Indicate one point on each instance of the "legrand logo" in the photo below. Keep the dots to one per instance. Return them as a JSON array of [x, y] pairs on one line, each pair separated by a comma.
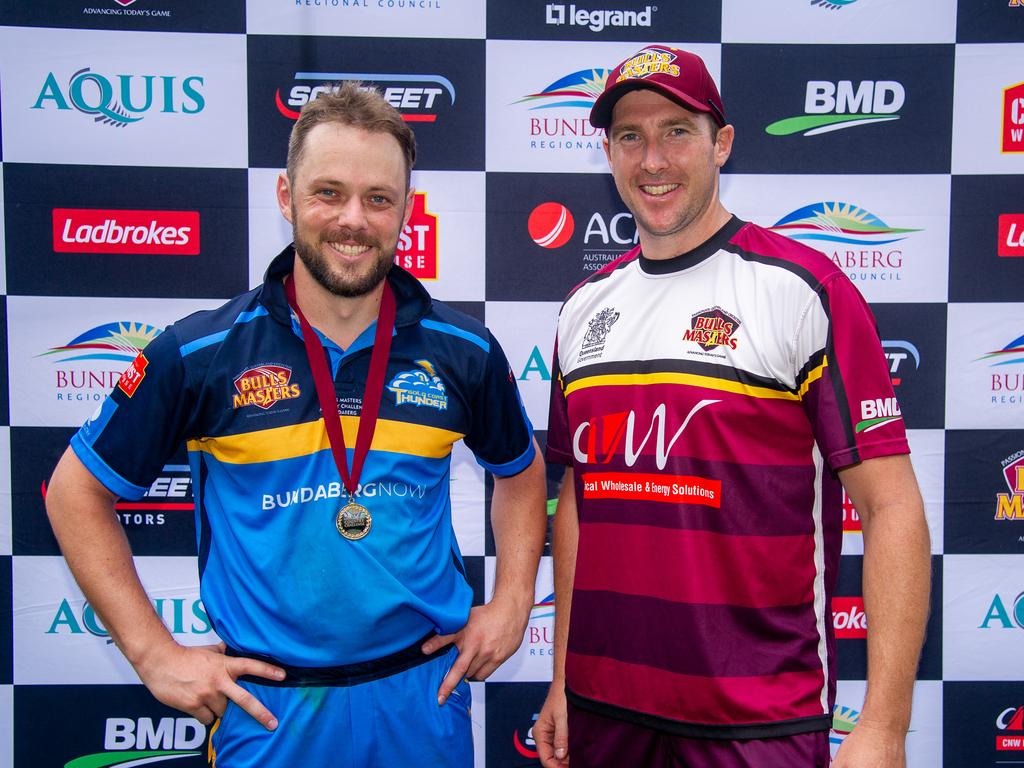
[[143, 741], [416, 97], [121, 100], [556, 14], [833, 106], [181, 615], [82, 230]]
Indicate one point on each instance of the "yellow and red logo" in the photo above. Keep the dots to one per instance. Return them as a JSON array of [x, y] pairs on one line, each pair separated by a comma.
[[133, 375], [712, 328], [416, 251], [264, 385], [1013, 118], [1010, 506]]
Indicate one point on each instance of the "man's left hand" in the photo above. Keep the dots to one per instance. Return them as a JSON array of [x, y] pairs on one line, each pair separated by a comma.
[[492, 634], [872, 746]]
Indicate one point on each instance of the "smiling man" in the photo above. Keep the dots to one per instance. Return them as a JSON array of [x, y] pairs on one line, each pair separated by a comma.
[[320, 411], [712, 393]]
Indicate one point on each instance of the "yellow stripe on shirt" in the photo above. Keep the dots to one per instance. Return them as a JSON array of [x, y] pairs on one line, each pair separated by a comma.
[[688, 379]]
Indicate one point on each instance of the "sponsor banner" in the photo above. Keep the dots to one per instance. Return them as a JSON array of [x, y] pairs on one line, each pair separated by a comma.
[[526, 331], [838, 21], [986, 238], [7, 724], [5, 417], [670, 489], [539, 96], [442, 245], [6, 625], [122, 725], [123, 98], [154, 15], [985, 491], [368, 18], [924, 737], [988, 109], [532, 662], [985, 366], [888, 234], [437, 89], [913, 339], [467, 495], [160, 523], [110, 231], [58, 638], [637, 20], [5, 491], [927, 451], [850, 623], [983, 726], [3, 236], [548, 233], [70, 352], [839, 108], [983, 604], [509, 731], [990, 21]]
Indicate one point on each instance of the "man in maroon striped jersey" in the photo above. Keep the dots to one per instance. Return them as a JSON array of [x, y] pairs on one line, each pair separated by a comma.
[[714, 390]]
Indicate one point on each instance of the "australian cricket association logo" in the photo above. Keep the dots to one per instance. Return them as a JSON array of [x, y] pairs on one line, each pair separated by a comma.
[[598, 328]]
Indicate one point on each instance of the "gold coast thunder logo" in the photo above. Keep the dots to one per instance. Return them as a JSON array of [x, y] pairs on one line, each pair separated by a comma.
[[264, 385], [420, 386]]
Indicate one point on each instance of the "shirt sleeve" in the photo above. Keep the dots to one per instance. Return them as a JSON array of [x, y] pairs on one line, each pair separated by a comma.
[[141, 424], [500, 434], [844, 379]]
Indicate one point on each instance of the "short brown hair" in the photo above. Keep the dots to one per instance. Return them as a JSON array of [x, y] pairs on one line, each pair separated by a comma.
[[354, 104]]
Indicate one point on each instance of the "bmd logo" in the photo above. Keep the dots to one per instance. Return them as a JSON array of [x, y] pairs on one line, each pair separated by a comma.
[[143, 741], [833, 106], [877, 413], [1013, 118]]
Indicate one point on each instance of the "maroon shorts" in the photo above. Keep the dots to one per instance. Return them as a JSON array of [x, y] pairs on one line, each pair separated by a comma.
[[596, 741]]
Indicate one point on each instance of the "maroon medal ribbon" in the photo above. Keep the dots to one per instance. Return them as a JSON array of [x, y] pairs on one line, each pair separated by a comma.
[[353, 522]]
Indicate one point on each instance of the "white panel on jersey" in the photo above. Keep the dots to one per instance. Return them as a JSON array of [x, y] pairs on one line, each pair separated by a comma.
[[59, 639], [368, 18], [839, 21], [526, 331], [532, 662], [123, 98], [988, 109], [889, 234], [66, 354], [984, 375]]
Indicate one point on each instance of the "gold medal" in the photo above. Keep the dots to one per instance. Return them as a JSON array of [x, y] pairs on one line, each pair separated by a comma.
[[354, 521]]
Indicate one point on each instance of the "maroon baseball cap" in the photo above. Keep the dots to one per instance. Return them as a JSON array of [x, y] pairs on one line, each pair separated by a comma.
[[678, 75]]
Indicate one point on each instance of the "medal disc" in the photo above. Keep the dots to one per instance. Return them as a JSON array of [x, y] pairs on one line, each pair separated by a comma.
[[354, 521]]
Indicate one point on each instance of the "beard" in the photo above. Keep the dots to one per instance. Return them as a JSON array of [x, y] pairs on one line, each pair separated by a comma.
[[348, 282]]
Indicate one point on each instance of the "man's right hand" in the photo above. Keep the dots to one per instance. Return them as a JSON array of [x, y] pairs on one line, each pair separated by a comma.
[[199, 680], [551, 731]]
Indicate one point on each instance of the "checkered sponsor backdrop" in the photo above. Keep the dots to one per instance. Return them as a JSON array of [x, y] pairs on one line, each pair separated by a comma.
[[140, 143]]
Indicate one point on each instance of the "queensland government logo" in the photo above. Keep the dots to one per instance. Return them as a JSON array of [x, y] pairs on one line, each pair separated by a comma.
[[711, 328], [264, 386], [94, 361], [837, 105], [1010, 506], [572, 95], [857, 241], [420, 386], [120, 100], [598, 328], [418, 98]]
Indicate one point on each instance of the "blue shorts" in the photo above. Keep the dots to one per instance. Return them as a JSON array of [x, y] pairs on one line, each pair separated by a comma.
[[385, 722]]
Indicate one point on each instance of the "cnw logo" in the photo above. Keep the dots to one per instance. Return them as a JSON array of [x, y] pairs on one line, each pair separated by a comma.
[[1010, 719], [832, 106], [877, 413], [602, 439]]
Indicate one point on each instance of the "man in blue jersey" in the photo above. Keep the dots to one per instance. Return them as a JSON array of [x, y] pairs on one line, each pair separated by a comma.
[[319, 411]]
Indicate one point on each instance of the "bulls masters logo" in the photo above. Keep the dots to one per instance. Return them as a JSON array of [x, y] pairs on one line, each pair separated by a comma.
[[598, 328], [711, 328]]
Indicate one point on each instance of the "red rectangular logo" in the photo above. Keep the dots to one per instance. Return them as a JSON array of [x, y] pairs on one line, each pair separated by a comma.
[[848, 618], [1013, 118], [1011, 234], [133, 375], [1008, 743], [92, 230]]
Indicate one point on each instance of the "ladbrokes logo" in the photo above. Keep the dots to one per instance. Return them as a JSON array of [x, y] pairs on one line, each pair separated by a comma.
[[263, 386], [418, 98], [1010, 506], [1011, 234], [1013, 118], [857, 241], [1010, 724], [711, 328], [145, 740], [81, 230], [416, 251], [120, 100], [848, 618], [572, 95], [833, 106]]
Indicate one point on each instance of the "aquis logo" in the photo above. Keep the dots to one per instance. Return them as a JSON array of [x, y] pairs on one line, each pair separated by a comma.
[[713, 327], [418, 98], [1010, 506], [92, 363], [1004, 614], [572, 96], [857, 241], [264, 386], [420, 386]]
